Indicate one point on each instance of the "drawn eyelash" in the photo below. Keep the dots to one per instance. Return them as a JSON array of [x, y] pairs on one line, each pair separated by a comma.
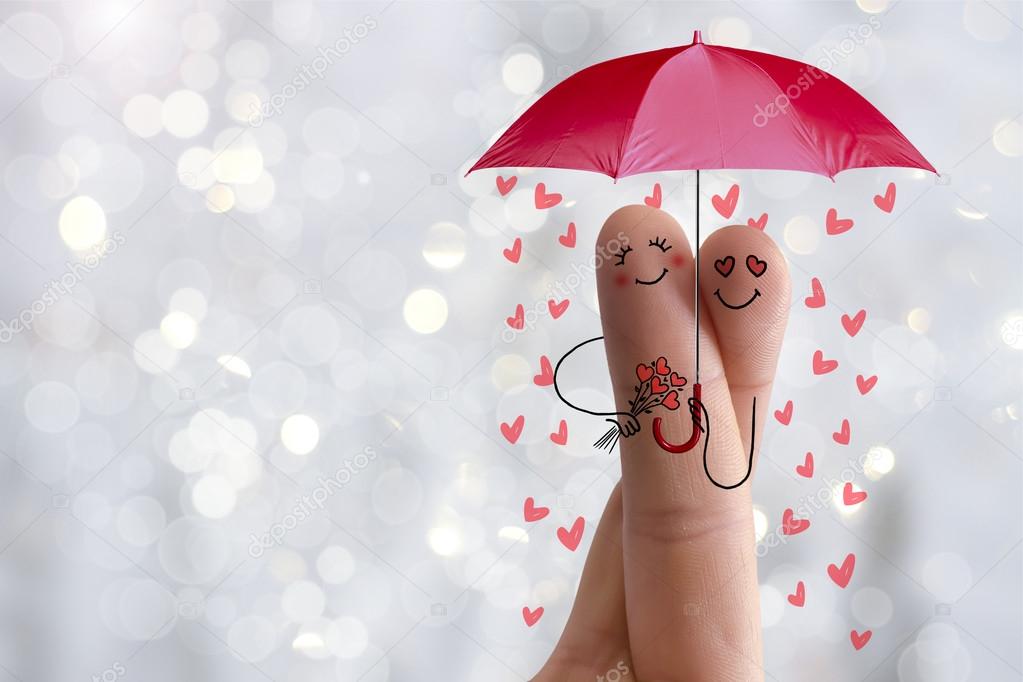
[[660, 243], [621, 255]]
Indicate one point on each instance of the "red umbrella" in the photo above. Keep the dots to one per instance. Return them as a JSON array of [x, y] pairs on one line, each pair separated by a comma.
[[701, 106]]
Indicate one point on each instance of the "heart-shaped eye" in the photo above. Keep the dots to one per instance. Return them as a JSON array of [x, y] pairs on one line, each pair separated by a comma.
[[724, 265], [756, 266]]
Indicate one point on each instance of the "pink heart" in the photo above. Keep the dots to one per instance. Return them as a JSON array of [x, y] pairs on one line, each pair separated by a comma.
[[570, 538], [511, 432], [887, 202]]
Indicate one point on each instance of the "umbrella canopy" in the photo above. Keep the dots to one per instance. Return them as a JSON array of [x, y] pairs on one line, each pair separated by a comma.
[[702, 106]]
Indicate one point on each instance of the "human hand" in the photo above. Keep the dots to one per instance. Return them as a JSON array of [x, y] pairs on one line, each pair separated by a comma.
[[628, 425], [669, 590]]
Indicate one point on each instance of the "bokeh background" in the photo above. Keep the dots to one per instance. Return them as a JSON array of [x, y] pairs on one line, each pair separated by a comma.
[[254, 357]]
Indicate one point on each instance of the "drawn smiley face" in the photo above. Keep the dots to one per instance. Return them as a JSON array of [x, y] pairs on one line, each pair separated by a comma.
[[660, 243], [726, 265]]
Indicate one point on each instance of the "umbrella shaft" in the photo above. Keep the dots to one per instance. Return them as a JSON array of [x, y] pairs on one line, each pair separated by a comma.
[[696, 288]]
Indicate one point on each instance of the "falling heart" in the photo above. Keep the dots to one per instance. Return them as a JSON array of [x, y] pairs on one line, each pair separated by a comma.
[[511, 432], [726, 205], [842, 436], [760, 223], [851, 497], [799, 598], [557, 309], [531, 513], [505, 186], [570, 538], [519, 319], [860, 640], [822, 366], [515, 252], [835, 225], [791, 525], [531, 616], [544, 200], [887, 202], [864, 384], [784, 416], [568, 239], [654, 200], [842, 575], [546, 375], [816, 299], [852, 325], [560, 437], [806, 468]]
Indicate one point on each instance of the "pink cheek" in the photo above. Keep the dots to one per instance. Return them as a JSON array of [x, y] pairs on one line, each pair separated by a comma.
[[678, 260], [621, 280]]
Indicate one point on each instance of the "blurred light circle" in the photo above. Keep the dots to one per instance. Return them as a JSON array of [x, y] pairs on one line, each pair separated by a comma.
[[253, 638], [68, 323], [92, 509], [872, 6], [200, 31], [244, 102], [235, 365], [522, 73], [213, 496], [82, 223], [240, 163], [185, 113], [444, 540], [323, 175], [425, 311], [487, 215], [21, 180], [731, 31], [872, 607], [57, 177], [121, 181], [277, 389], [143, 114], [195, 168], [153, 354], [510, 371], [444, 248], [375, 279], [300, 434], [349, 369], [187, 454], [332, 131], [1012, 332], [348, 638], [106, 383], [947, 576], [194, 551], [87, 155], [759, 524], [919, 320], [802, 235], [140, 521], [52, 406], [145, 608], [880, 460], [565, 28], [179, 329], [1008, 137], [247, 59], [199, 71], [302, 601], [772, 606], [137, 472], [335, 565], [987, 20], [521, 213], [255, 196], [190, 301], [30, 44], [310, 335], [397, 496]]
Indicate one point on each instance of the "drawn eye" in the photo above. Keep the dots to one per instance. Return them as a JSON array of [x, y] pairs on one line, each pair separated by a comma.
[[621, 255], [661, 243]]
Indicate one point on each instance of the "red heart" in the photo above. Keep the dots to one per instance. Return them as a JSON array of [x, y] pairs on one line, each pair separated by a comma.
[[887, 202], [726, 205], [662, 366], [806, 468], [531, 513], [560, 437], [784, 416], [799, 598], [568, 239], [531, 616], [822, 366], [570, 538], [671, 401], [853, 324], [864, 384], [676, 380], [816, 300], [654, 200], [791, 525], [546, 375], [724, 266], [859, 641], [760, 224], [755, 265], [519, 320], [505, 186], [557, 309], [544, 200], [842, 437], [511, 432], [835, 225], [849, 497], [644, 372], [842, 576], [515, 252], [657, 386]]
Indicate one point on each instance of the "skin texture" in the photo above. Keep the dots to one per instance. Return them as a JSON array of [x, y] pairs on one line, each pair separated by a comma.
[[669, 589]]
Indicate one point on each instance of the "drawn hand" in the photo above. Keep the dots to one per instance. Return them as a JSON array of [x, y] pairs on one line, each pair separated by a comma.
[[669, 589], [628, 425]]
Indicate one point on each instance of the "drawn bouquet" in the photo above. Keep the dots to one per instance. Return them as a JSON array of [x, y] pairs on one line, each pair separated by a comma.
[[658, 387]]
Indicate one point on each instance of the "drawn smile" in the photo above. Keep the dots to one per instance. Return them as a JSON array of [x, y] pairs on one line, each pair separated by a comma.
[[659, 278], [717, 292]]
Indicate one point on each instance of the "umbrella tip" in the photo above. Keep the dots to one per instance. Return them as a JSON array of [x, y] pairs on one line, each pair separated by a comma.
[[697, 38]]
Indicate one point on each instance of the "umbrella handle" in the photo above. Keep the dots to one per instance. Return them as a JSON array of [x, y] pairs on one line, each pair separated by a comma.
[[693, 439]]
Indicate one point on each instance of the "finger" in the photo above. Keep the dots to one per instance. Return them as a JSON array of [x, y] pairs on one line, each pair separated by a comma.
[[596, 638], [748, 305], [690, 573]]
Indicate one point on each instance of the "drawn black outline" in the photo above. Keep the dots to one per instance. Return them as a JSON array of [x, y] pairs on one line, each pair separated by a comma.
[[706, 443], [755, 296], [659, 278]]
